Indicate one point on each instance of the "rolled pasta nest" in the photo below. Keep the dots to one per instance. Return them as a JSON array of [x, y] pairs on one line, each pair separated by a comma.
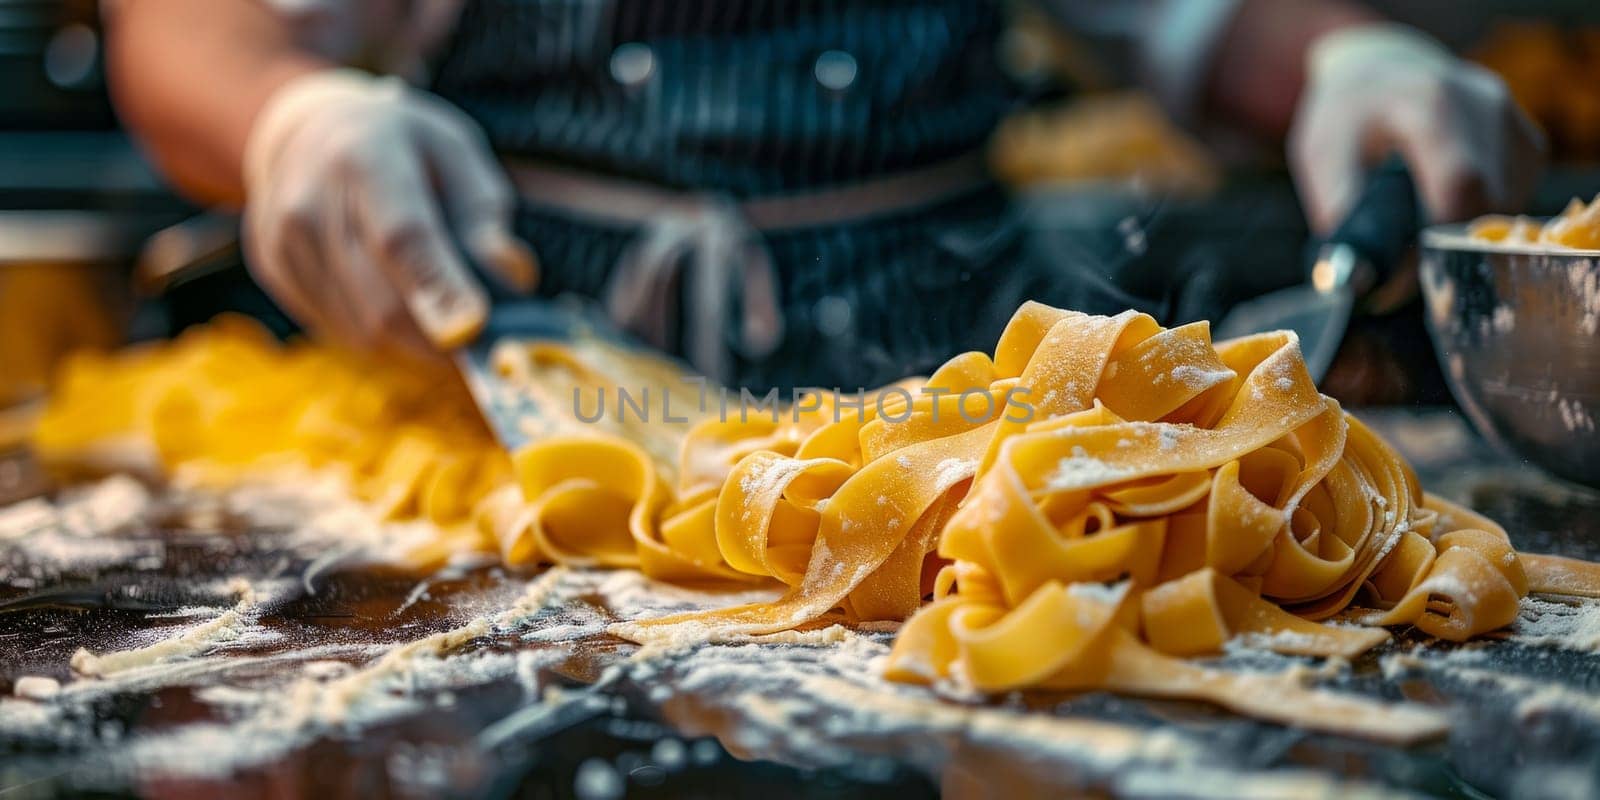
[[1087, 508]]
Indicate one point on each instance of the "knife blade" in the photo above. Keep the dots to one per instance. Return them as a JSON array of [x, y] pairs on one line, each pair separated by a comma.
[[1318, 317], [513, 413], [1363, 252]]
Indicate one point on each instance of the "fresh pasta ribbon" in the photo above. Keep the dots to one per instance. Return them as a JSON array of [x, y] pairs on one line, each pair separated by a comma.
[[1577, 226], [598, 501], [1253, 505], [1558, 575], [1198, 613], [226, 400], [1085, 637], [1088, 507], [1227, 495]]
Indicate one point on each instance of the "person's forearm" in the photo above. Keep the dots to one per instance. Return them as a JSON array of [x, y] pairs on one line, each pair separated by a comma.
[[189, 76], [1260, 62]]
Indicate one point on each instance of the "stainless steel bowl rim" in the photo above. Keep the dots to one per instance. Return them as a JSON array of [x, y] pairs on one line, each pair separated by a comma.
[[1454, 238]]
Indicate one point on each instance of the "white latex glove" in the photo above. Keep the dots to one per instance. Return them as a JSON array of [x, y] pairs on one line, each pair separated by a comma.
[[1376, 89], [361, 192]]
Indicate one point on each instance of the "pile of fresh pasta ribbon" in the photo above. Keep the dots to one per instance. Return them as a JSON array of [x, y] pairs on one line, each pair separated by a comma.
[[1151, 496], [1577, 226]]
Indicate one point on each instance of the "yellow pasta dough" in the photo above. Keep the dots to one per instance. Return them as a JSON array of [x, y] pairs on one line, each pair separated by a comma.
[[226, 400], [1096, 501], [1149, 455], [1578, 227]]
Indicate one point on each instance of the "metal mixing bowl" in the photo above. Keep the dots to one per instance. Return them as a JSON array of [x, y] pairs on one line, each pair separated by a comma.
[[1517, 329]]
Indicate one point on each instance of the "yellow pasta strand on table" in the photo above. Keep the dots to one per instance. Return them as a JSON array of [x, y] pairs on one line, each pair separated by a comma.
[[1231, 496], [226, 400], [1558, 575], [1097, 501], [1198, 613]]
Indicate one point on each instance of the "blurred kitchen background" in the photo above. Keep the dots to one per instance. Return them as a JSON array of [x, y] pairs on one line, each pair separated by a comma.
[[1101, 170]]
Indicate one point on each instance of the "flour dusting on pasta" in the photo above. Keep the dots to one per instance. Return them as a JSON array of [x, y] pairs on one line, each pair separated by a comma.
[[1162, 496]]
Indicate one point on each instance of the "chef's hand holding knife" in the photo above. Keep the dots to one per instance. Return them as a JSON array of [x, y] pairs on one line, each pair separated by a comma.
[[366, 200], [1380, 88]]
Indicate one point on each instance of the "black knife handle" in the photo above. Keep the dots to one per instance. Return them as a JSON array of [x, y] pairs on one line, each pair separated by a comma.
[[1385, 220]]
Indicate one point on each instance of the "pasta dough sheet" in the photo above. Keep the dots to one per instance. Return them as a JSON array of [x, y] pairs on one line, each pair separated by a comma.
[[1086, 508]]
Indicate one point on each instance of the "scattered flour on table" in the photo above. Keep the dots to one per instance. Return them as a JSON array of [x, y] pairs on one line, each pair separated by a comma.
[[27, 517], [80, 529], [1532, 696], [807, 697], [36, 687], [811, 697], [104, 523], [230, 626], [1567, 623], [1272, 641], [424, 663], [829, 706], [29, 718], [108, 506], [276, 703]]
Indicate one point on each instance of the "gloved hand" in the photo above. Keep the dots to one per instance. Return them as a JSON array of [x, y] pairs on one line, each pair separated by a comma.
[[361, 194], [1376, 89]]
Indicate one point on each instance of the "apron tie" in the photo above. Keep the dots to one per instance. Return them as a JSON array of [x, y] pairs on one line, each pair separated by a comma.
[[713, 246], [707, 246]]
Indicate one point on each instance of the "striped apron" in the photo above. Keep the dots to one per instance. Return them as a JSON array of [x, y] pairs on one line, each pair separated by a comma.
[[680, 122]]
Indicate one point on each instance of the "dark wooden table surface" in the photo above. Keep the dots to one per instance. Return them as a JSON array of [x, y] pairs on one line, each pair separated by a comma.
[[1527, 715]]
